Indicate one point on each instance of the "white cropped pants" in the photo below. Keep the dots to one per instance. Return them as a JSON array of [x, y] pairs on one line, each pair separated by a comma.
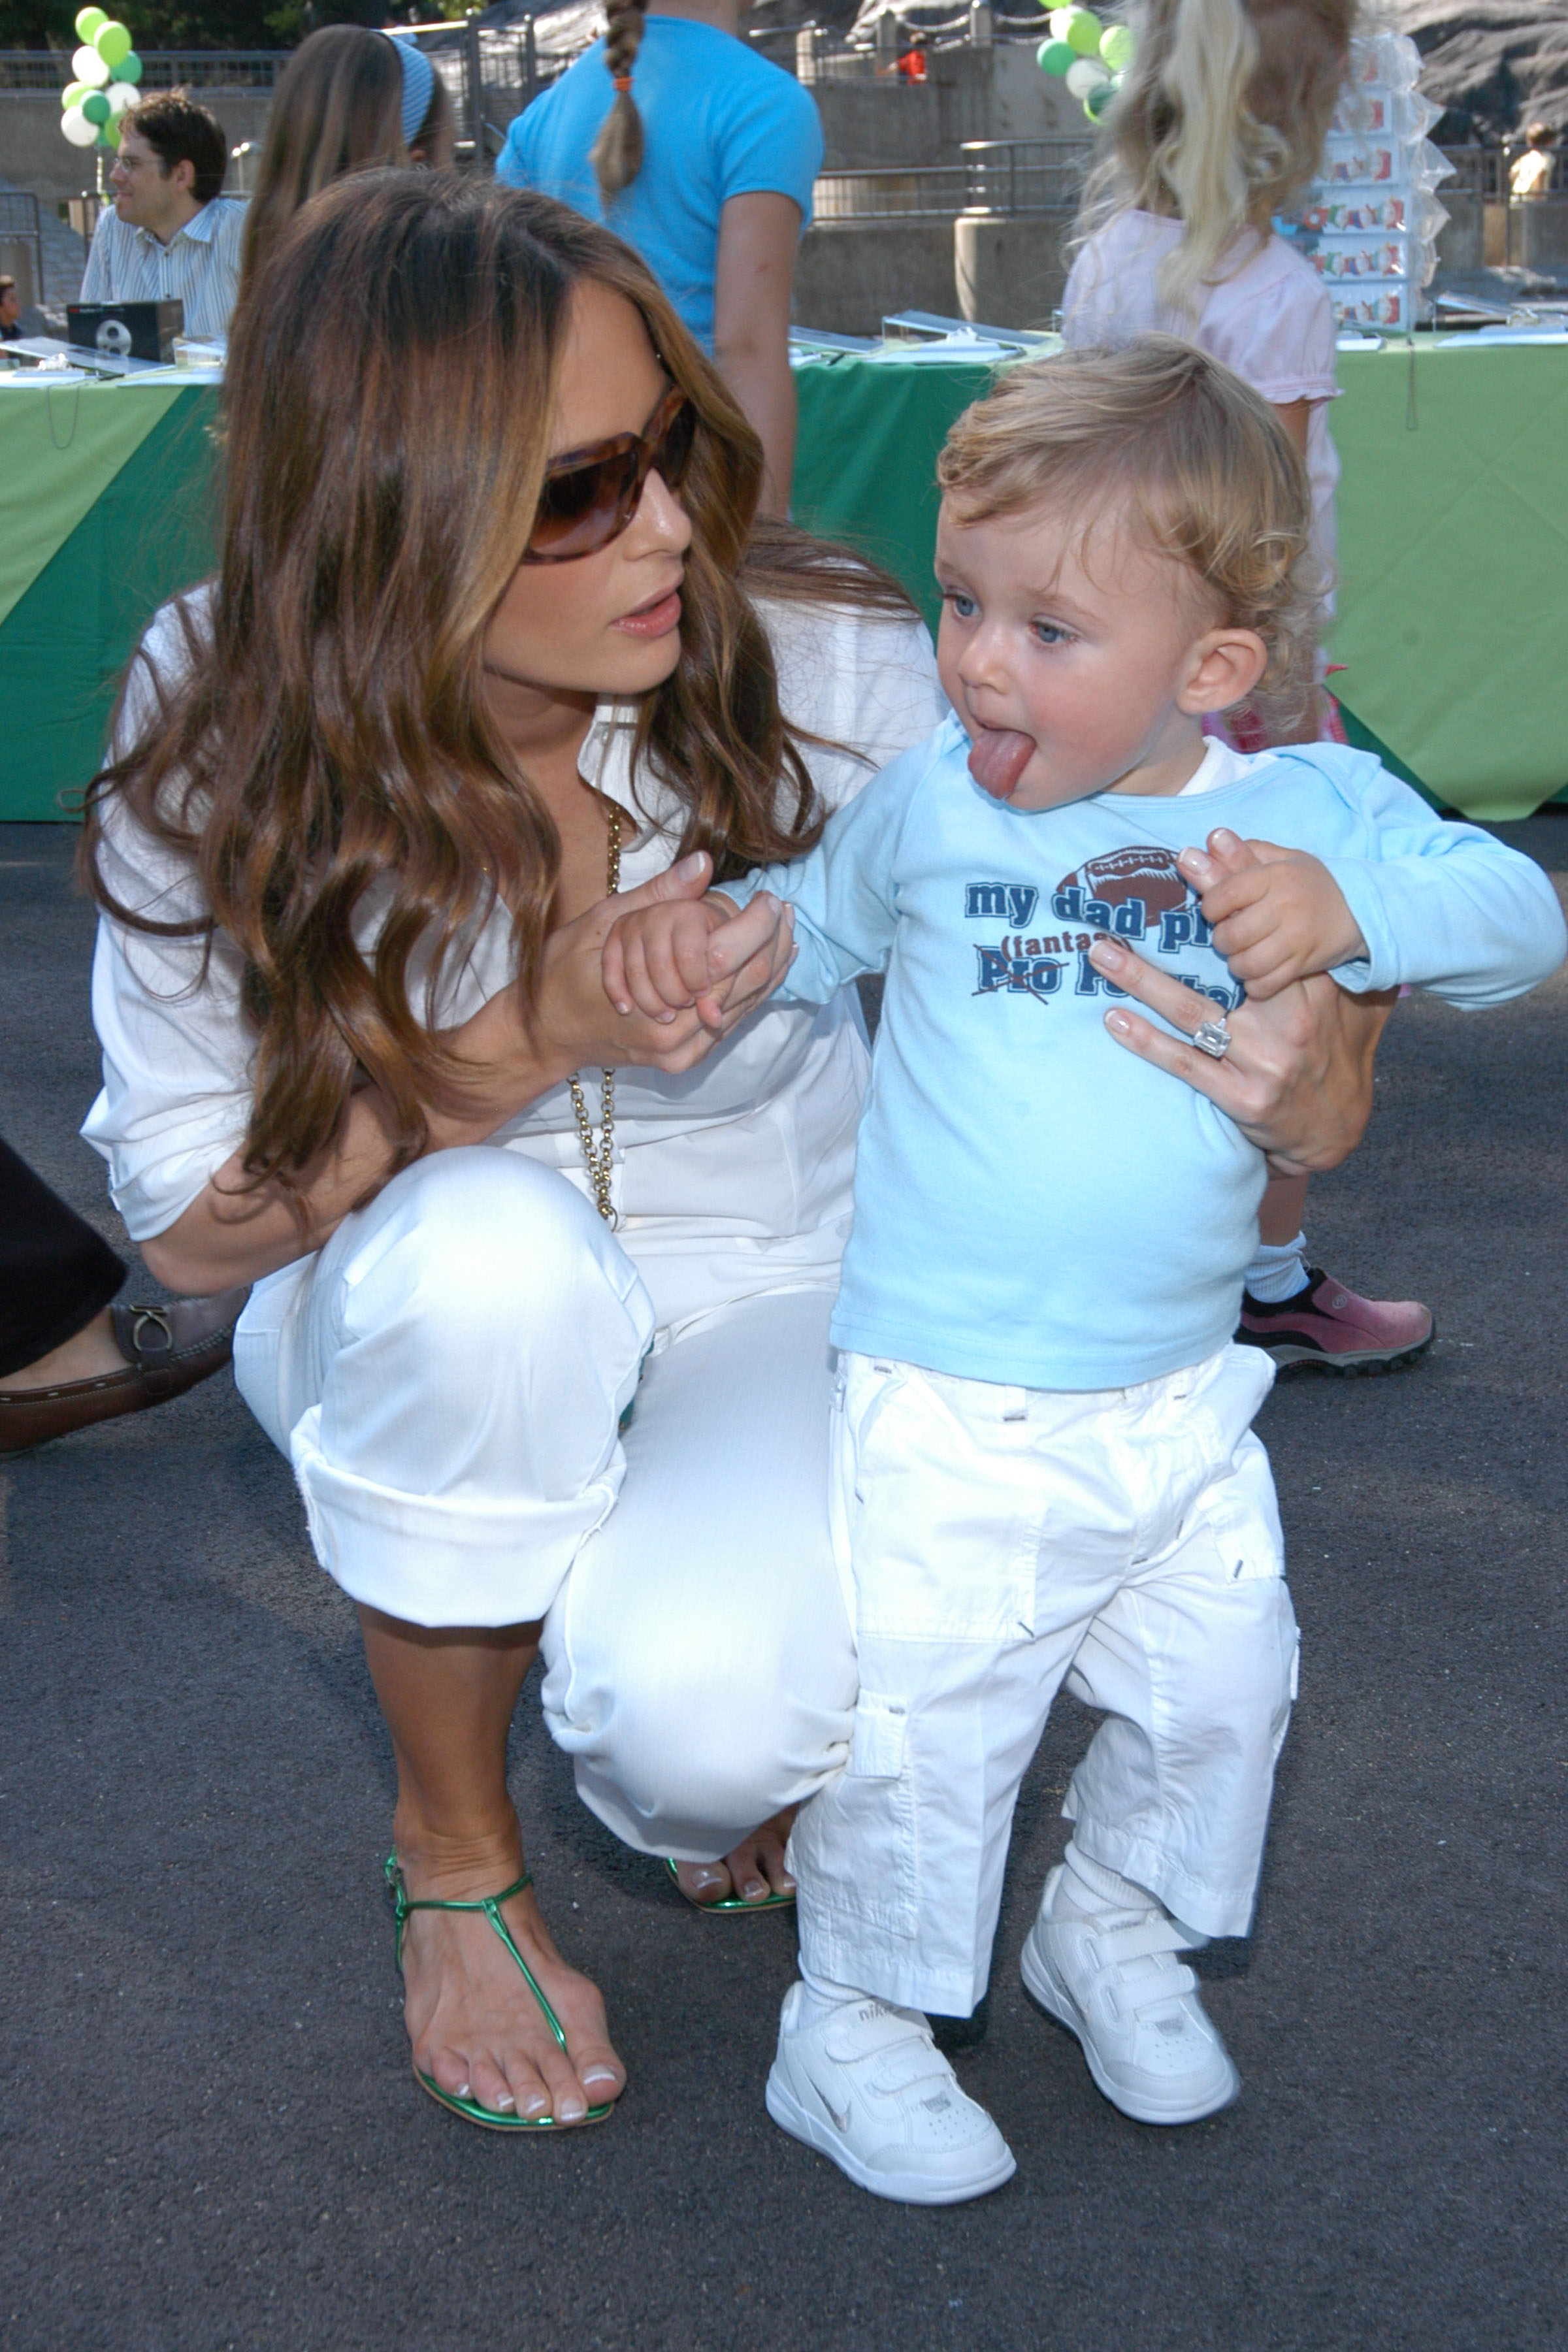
[[447, 1376], [1001, 1539]]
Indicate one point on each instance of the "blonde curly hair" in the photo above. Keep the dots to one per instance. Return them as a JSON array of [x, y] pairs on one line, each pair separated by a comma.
[[1197, 462]]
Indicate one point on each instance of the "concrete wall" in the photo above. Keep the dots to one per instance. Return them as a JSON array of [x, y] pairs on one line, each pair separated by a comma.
[[1461, 243], [1541, 234], [33, 155], [996, 93], [1010, 271], [853, 274]]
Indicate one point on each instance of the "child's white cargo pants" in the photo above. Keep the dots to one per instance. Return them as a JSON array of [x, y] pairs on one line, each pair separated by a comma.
[[999, 1540]]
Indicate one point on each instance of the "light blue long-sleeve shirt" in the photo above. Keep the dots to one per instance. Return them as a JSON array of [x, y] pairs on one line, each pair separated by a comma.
[[1034, 1205]]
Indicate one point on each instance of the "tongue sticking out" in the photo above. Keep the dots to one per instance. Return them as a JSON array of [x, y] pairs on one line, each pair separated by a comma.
[[999, 758]]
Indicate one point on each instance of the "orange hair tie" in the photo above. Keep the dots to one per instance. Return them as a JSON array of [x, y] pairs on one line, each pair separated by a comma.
[[623, 83]]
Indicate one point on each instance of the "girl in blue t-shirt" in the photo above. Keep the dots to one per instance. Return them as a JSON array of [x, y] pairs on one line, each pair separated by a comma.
[[702, 155]]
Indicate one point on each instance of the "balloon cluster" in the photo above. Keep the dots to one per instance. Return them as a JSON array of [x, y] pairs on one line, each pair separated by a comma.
[[1089, 57], [105, 71]]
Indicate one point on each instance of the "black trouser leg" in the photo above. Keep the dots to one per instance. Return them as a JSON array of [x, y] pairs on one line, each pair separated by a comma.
[[55, 1273]]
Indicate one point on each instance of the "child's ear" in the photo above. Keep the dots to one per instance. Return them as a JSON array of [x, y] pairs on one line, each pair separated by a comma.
[[1225, 665]]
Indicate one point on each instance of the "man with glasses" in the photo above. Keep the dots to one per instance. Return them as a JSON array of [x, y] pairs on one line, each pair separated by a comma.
[[171, 233]]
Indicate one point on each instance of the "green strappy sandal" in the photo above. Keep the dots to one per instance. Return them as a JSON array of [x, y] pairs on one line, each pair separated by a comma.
[[727, 1903], [402, 1903]]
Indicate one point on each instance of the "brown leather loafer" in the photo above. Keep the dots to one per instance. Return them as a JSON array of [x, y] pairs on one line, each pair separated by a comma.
[[167, 1350]]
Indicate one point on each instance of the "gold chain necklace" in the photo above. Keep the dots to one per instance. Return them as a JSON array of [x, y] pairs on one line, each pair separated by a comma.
[[600, 1159]]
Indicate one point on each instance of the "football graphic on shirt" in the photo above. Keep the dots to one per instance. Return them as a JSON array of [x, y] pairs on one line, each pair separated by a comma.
[[1146, 873]]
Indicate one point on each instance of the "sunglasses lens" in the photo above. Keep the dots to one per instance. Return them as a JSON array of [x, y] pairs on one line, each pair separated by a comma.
[[584, 509], [578, 511], [673, 454]]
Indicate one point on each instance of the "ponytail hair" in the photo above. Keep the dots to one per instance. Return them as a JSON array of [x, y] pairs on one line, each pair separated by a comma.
[[1220, 123], [617, 152]]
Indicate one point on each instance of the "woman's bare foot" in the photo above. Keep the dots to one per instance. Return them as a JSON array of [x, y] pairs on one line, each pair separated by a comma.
[[88, 1355], [753, 1869], [474, 2027]]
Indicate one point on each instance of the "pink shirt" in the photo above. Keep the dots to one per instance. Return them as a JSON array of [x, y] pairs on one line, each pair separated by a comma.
[[1270, 319]]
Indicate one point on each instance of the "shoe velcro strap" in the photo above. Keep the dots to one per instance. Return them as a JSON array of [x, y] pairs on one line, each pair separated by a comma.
[[878, 2030], [1144, 1939]]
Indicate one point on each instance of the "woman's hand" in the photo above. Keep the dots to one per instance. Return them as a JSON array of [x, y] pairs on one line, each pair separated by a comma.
[[574, 1018], [667, 959], [1297, 1079]]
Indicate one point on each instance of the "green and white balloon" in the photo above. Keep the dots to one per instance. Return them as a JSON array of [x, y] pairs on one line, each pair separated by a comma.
[[77, 129], [1085, 74], [88, 66]]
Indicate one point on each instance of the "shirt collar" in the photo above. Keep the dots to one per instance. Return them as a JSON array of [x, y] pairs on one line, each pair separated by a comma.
[[198, 228], [605, 762]]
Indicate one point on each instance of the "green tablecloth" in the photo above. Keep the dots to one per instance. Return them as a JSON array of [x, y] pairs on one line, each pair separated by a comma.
[[1453, 519], [1453, 533], [106, 507]]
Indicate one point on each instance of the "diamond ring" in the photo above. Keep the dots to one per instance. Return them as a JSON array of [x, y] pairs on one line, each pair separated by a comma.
[[1213, 1038]]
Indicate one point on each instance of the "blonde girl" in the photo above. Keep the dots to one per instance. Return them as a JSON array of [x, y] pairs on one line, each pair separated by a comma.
[[1218, 129]]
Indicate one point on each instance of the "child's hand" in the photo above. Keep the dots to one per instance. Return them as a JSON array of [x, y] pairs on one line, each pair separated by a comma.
[[1274, 922], [697, 954]]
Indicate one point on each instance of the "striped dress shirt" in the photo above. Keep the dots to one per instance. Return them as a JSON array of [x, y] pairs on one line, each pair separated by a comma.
[[199, 266]]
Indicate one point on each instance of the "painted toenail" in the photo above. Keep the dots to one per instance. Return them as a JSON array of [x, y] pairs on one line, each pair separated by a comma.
[[597, 2075], [505, 2102]]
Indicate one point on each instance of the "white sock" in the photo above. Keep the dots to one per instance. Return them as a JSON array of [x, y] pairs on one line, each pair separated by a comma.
[[822, 1996], [1278, 1272], [1089, 1889]]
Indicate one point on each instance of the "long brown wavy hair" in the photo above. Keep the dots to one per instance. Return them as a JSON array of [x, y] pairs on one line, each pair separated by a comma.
[[337, 109], [322, 755]]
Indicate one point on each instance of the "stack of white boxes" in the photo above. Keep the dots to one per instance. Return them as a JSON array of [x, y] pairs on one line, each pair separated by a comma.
[[1368, 225]]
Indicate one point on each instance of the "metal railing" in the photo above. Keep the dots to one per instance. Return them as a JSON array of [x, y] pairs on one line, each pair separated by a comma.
[[48, 70], [19, 224], [931, 191], [490, 75], [1484, 172], [1024, 176], [995, 175]]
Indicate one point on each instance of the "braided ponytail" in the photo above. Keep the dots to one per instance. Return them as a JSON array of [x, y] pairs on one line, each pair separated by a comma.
[[617, 152]]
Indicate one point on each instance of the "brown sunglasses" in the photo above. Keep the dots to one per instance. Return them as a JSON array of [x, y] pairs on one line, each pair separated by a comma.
[[591, 495]]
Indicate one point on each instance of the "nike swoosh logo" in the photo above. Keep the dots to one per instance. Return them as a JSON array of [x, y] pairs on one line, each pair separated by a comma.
[[840, 2122]]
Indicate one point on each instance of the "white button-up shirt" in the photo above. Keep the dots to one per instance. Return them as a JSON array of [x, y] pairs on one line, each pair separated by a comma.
[[729, 1180], [199, 266]]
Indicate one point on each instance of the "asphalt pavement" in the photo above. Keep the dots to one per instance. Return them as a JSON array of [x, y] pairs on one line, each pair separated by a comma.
[[210, 2137]]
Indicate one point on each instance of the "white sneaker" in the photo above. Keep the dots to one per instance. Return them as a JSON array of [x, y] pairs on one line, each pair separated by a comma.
[[866, 2086], [1112, 1982]]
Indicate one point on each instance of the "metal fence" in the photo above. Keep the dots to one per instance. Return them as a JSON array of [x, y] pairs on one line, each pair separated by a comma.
[[48, 70], [20, 228], [1484, 172], [933, 191], [995, 175], [490, 77]]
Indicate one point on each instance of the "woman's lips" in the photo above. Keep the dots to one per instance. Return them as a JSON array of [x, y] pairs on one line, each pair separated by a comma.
[[655, 620]]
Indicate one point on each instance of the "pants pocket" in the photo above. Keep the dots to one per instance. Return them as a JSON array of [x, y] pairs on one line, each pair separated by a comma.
[[1241, 1515], [854, 1845], [876, 1744]]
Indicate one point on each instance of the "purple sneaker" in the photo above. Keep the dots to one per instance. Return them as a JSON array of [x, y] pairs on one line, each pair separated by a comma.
[[1329, 1327]]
